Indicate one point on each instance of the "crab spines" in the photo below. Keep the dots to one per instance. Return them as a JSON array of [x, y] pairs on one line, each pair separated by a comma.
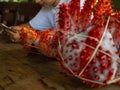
[[86, 13], [68, 16], [64, 17], [48, 42], [27, 37], [75, 15], [77, 57], [102, 11], [27, 33], [114, 27], [116, 37], [74, 7], [44, 42]]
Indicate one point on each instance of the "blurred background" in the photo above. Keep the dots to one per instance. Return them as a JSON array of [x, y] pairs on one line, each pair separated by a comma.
[[16, 0], [13, 12]]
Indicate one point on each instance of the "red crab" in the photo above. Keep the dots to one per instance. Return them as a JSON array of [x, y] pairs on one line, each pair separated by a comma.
[[90, 40], [87, 41], [39, 42]]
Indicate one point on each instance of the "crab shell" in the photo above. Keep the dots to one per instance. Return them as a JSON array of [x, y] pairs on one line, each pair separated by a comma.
[[81, 55], [87, 48], [44, 42]]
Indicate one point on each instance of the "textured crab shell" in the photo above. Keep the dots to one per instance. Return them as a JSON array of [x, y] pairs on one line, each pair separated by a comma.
[[44, 42], [48, 43], [76, 56]]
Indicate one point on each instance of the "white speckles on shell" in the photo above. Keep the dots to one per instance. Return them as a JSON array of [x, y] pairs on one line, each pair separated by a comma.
[[107, 45], [78, 39]]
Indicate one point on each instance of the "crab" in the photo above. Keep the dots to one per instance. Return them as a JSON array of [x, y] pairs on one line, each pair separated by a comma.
[[89, 41], [86, 43]]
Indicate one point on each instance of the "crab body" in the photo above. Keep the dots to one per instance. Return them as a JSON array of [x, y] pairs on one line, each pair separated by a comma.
[[82, 57], [88, 48]]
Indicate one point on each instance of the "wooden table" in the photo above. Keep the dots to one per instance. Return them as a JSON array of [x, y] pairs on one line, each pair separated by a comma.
[[22, 71]]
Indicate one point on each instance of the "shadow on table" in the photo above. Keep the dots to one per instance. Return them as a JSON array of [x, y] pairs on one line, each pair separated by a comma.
[[50, 68]]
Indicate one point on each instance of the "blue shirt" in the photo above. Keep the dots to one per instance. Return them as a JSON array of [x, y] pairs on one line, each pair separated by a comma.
[[47, 17]]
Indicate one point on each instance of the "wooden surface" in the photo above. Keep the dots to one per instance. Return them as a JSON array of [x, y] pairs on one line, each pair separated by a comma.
[[22, 71]]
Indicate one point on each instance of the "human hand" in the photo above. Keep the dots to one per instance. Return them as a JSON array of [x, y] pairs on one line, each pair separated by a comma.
[[13, 33]]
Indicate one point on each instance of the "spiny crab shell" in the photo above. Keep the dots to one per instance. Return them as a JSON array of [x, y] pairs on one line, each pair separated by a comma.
[[87, 47], [81, 56], [39, 42]]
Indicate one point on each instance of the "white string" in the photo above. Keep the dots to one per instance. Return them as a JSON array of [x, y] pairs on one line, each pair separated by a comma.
[[97, 47], [113, 81], [94, 53], [59, 47]]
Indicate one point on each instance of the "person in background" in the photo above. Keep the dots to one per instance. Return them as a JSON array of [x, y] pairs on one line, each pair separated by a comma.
[[46, 18]]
